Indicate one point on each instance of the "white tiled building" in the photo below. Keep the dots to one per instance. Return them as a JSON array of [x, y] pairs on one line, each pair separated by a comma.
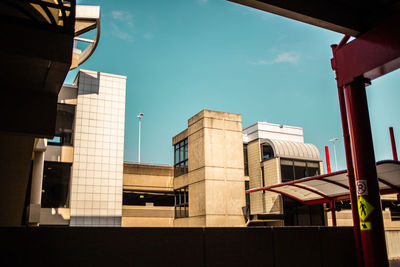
[[83, 165], [96, 183]]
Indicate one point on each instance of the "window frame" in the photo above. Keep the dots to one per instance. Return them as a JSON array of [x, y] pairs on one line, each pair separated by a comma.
[[181, 207], [181, 154], [293, 165]]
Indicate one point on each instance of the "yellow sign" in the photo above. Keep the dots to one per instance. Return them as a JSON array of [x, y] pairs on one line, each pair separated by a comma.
[[364, 208], [365, 226]]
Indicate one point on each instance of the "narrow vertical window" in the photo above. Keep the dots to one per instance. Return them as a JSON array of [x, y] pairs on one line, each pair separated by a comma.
[[181, 153]]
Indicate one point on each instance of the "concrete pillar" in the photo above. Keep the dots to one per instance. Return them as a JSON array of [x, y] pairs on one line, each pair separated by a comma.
[[36, 188], [36, 184]]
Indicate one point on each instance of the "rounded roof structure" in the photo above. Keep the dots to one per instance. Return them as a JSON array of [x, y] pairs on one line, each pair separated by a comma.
[[294, 150]]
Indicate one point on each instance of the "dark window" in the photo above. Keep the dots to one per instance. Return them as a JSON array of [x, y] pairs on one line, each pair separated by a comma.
[[287, 170], [297, 214], [55, 188], [297, 169], [182, 202], [181, 158], [246, 160], [300, 169], [64, 125], [247, 187], [146, 198], [267, 152]]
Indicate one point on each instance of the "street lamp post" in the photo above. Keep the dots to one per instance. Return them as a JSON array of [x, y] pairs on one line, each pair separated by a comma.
[[334, 150], [140, 125]]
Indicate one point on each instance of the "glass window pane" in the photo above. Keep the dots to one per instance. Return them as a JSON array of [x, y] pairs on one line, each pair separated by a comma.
[[287, 173], [267, 152], [176, 156], [300, 172], [313, 171], [182, 153]]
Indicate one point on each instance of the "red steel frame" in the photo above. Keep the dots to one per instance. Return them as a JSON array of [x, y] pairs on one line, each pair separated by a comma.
[[393, 142], [369, 56], [324, 198], [328, 161]]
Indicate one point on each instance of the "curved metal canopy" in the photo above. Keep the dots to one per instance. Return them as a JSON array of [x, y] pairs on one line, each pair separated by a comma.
[[293, 150], [334, 186]]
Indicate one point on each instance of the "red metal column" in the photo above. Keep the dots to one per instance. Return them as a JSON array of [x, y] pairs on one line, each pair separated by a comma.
[[370, 210], [351, 179], [333, 212], [350, 168], [392, 140], [328, 161]]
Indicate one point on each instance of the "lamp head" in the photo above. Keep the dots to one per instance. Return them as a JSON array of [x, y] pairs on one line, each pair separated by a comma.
[[140, 115], [334, 139]]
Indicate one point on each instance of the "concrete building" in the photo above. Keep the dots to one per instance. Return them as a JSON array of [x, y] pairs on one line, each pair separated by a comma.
[[209, 171], [276, 154], [215, 161], [81, 167]]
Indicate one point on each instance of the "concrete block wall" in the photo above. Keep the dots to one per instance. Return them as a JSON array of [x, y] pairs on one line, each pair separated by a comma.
[[272, 175], [254, 157], [216, 170]]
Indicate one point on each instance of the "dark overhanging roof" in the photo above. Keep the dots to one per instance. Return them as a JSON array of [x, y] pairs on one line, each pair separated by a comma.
[[347, 17], [334, 186]]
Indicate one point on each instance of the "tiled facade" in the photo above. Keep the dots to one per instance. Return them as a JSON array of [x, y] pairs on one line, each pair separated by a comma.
[[97, 170]]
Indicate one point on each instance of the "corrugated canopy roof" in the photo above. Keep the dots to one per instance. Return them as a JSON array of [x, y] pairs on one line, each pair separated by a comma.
[[294, 150], [334, 186]]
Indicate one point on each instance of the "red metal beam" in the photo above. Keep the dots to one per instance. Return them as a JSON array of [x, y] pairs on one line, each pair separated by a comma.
[[393, 142], [392, 186], [328, 161], [373, 54]]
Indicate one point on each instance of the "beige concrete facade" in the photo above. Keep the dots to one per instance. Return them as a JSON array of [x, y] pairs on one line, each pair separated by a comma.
[[215, 177], [143, 216], [147, 178]]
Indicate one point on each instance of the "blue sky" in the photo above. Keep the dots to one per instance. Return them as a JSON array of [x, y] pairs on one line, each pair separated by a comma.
[[181, 56]]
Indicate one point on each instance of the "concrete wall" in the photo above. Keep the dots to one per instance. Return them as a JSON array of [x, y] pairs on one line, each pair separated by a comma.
[[148, 177], [59, 153], [216, 170], [257, 199], [54, 216], [147, 216], [272, 175], [393, 243], [280, 247]]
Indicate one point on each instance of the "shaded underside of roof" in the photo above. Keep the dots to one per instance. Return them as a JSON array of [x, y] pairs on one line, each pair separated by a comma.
[[347, 17]]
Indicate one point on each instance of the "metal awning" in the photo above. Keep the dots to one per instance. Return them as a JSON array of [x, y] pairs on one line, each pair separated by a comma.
[[334, 186]]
